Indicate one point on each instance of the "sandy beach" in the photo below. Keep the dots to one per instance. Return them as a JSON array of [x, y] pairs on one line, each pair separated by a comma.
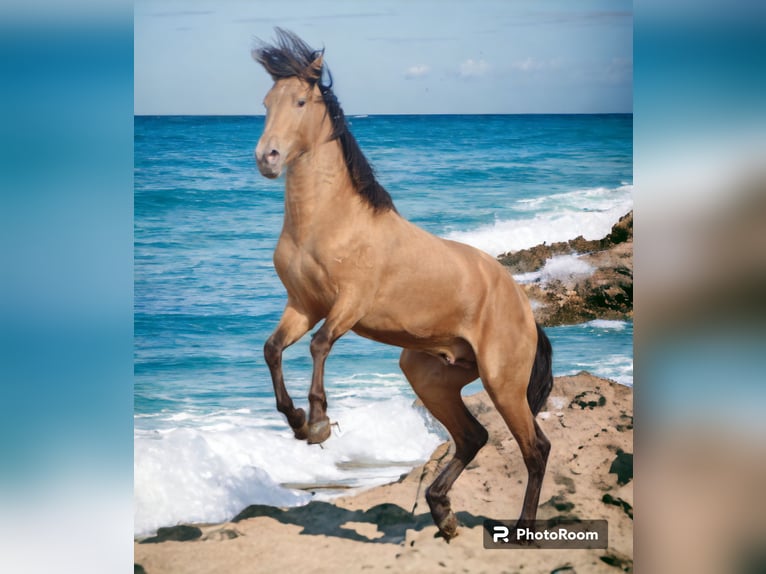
[[388, 528]]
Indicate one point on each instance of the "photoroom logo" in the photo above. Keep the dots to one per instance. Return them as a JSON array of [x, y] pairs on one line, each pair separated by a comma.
[[545, 534]]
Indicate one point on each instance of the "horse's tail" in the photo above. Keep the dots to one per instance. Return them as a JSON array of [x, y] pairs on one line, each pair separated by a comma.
[[541, 380]]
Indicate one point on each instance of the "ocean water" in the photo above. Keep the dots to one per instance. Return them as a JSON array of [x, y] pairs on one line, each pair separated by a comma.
[[208, 440]]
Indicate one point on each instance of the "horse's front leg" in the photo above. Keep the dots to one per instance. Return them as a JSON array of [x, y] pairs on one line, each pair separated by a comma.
[[342, 317], [292, 326]]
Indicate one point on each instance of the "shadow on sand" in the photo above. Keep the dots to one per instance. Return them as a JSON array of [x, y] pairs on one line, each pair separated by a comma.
[[324, 518]]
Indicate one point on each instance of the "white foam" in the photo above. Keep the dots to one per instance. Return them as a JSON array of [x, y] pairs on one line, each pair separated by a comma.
[[607, 324], [559, 217], [617, 367], [564, 268], [205, 472]]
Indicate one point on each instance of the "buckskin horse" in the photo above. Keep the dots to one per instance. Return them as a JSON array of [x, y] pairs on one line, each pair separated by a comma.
[[347, 256]]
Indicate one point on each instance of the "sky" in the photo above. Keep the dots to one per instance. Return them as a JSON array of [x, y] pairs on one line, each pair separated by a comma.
[[392, 57]]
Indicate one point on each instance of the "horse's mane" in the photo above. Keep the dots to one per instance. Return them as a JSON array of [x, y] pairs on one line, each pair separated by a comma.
[[291, 57]]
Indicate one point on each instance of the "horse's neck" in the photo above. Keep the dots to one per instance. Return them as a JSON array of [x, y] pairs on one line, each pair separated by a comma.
[[318, 188]]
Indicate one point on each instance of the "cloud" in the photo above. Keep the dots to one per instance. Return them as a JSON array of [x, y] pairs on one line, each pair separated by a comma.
[[527, 65], [420, 71], [473, 68], [532, 64], [173, 14]]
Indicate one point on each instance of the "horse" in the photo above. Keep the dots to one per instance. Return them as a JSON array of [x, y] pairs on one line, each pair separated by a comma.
[[346, 256]]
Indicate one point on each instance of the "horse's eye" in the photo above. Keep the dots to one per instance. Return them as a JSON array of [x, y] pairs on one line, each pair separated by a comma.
[[301, 103]]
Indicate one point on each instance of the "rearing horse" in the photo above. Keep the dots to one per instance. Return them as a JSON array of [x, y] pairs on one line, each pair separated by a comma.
[[345, 255]]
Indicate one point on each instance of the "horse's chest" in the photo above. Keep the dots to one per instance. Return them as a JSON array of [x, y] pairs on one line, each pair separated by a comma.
[[305, 277]]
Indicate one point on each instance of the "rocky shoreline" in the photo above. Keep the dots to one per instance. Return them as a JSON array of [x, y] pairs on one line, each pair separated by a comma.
[[603, 291]]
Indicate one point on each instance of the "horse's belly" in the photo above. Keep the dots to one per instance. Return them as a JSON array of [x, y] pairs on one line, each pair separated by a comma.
[[453, 350]]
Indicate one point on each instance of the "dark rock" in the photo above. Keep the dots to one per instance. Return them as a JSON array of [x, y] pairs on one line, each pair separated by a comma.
[[588, 399], [618, 561], [559, 503], [622, 230], [627, 508], [627, 425], [622, 466], [138, 569], [565, 481], [180, 533]]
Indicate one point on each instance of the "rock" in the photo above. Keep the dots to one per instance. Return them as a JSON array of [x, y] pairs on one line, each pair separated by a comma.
[[606, 294], [588, 399], [619, 502], [179, 533], [618, 560], [622, 466], [559, 503]]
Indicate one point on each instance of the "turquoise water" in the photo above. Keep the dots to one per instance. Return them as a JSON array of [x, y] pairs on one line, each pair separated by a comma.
[[207, 435]]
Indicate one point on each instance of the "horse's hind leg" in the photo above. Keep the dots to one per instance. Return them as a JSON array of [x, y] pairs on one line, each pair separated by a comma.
[[438, 386], [292, 326], [508, 391]]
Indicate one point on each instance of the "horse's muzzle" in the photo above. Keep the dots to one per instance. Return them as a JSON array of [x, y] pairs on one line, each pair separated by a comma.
[[269, 163]]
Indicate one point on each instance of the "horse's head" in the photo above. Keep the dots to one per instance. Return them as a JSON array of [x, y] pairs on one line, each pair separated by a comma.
[[295, 110]]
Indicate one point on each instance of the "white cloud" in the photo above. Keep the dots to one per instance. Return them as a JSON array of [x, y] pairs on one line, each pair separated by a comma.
[[420, 71], [532, 64], [473, 68]]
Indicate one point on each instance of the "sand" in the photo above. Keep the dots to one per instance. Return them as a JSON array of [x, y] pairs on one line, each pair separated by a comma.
[[388, 528]]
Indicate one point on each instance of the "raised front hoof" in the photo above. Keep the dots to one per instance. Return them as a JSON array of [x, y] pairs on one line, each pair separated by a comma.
[[302, 433], [299, 424], [448, 527], [319, 431]]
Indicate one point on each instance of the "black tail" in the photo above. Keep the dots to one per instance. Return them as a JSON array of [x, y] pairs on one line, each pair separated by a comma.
[[541, 380]]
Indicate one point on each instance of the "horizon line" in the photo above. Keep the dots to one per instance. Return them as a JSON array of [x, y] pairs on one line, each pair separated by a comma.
[[135, 115]]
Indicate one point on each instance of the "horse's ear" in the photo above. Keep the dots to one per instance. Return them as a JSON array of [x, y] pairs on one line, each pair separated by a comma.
[[314, 70]]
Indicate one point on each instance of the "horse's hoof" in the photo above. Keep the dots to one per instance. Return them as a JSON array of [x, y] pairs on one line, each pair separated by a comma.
[[299, 425], [319, 432], [302, 433], [448, 526]]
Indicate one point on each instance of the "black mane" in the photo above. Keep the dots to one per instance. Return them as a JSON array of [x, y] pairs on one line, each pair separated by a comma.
[[291, 57]]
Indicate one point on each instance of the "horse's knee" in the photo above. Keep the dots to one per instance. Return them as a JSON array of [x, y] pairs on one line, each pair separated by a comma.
[[272, 352], [320, 345]]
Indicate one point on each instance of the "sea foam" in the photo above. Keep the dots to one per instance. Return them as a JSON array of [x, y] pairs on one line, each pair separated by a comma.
[[564, 268], [202, 472], [558, 217], [607, 324]]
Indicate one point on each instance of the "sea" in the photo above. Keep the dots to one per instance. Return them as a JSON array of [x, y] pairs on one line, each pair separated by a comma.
[[208, 439]]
